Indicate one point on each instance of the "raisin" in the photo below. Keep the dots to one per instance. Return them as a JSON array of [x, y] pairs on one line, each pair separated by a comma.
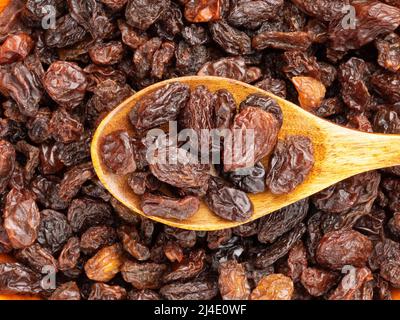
[[142, 14], [15, 48], [96, 238], [173, 251], [74, 179], [7, 163], [189, 59], [230, 39], [217, 239], [389, 52], [23, 86], [277, 223], [311, 92], [387, 119], [361, 288], [67, 33], [273, 287], [198, 112], [117, 153], [349, 193], [224, 109], [279, 248], [167, 207], [185, 238], [39, 129], [297, 40], [178, 167], [162, 58], [69, 256], [91, 15], [233, 284], [192, 290], [227, 202], [114, 5], [324, 10], [195, 35], [290, 164], [143, 275], [355, 92], [64, 128], [299, 63], [140, 182], [297, 261], [249, 180], [357, 249], [102, 291], [105, 264], [37, 258], [265, 103], [15, 278], [385, 84], [66, 83], [252, 13], [67, 291], [85, 212], [232, 67], [159, 107], [54, 230], [130, 36], [202, 10], [385, 258], [371, 20], [145, 294], [21, 218], [318, 281], [264, 128], [106, 53], [275, 86]]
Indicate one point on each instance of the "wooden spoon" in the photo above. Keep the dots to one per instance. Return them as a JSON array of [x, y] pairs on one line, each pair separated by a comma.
[[339, 153]]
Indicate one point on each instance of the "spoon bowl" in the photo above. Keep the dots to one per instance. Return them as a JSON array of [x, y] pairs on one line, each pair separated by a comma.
[[339, 153]]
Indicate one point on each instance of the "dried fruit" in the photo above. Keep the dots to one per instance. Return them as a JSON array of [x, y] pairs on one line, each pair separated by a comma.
[[101, 291], [143, 275], [311, 92], [259, 126], [318, 281], [15, 48], [232, 281], [232, 67], [66, 83], [202, 10], [290, 164], [66, 291], [227, 202], [167, 207], [159, 107], [345, 247], [105, 264], [192, 290], [273, 287], [178, 167], [21, 218], [117, 153], [141, 14]]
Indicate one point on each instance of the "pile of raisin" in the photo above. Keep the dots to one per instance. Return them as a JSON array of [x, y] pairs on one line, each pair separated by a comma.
[[61, 74], [185, 172]]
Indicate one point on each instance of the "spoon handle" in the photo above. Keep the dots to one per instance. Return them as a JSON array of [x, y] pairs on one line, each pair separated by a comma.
[[354, 152]]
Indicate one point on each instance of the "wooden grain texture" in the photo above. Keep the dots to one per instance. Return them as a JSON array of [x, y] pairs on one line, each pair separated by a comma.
[[339, 153]]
